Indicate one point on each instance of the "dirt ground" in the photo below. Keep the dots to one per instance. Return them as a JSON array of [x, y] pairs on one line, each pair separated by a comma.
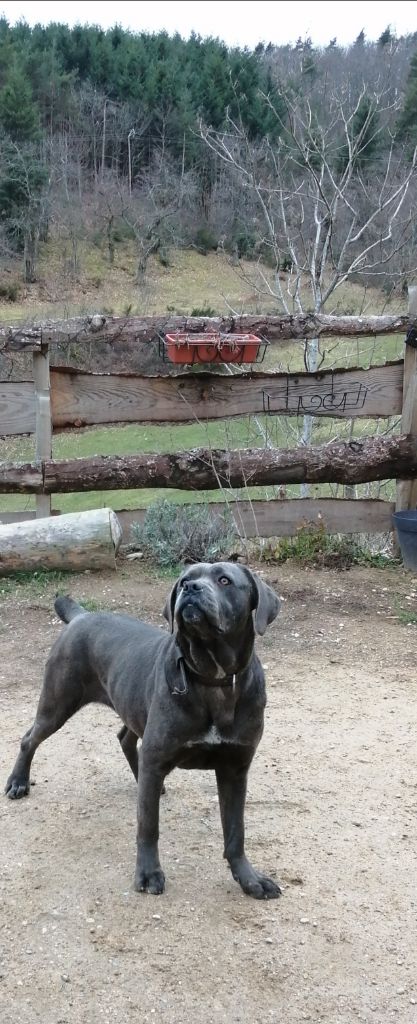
[[331, 813]]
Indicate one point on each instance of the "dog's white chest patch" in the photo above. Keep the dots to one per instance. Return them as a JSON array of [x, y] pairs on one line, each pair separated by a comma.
[[212, 738]]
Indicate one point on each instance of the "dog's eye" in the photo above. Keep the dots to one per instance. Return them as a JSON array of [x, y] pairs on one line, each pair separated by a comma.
[[224, 581]]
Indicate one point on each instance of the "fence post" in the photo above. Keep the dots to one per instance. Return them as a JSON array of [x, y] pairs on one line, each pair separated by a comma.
[[43, 420], [407, 489]]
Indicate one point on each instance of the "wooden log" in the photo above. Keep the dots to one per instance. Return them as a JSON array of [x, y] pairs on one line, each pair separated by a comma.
[[276, 329], [352, 462], [80, 399], [80, 540], [21, 478]]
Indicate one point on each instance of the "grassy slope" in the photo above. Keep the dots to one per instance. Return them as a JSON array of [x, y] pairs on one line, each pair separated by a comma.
[[191, 282]]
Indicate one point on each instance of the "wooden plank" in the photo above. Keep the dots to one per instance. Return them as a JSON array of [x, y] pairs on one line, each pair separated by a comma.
[[17, 408], [24, 516], [80, 399], [285, 517], [142, 329], [407, 489], [275, 518], [17, 517], [43, 421]]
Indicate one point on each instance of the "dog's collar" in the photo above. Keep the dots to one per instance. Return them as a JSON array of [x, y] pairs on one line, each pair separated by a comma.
[[182, 664]]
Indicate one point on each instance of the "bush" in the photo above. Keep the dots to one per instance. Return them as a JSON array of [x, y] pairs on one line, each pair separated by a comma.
[[203, 311], [313, 547], [205, 240], [245, 243], [171, 534], [9, 291], [163, 257]]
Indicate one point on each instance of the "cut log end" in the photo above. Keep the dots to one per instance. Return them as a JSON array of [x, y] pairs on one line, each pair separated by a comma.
[[77, 541]]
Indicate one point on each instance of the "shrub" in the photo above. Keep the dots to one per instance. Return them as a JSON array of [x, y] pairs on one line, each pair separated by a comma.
[[171, 534], [205, 240], [203, 311], [9, 291], [163, 257], [312, 546], [244, 242]]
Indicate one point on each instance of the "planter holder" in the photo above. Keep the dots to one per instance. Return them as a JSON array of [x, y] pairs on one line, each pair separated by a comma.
[[184, 348]]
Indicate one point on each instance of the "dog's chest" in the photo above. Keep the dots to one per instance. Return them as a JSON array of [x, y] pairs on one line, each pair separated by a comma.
[[211, 738], [221, 708]]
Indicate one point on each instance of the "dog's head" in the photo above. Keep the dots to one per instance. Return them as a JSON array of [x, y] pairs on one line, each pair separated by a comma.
[[220, 598]]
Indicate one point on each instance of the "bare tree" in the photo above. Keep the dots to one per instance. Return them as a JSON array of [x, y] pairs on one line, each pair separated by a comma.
[[25, 196], [329, 209]]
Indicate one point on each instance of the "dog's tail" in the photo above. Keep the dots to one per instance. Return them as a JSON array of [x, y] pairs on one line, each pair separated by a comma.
[[68, 609]]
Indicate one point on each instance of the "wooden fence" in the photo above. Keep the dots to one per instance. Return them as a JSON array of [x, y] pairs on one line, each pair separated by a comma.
[[59, 397]]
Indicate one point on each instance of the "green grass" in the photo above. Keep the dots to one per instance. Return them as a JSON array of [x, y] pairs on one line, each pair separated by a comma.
[[32, 583], [239, 432], [405, 615]]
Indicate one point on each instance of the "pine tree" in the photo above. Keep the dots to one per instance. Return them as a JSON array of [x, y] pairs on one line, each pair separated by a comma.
[[407, 125], [19, 115]]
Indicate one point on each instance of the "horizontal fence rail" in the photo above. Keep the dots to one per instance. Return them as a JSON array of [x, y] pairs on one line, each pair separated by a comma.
[[85, 399], [283, 517], [82, 398], [148, 328], [351, 462]]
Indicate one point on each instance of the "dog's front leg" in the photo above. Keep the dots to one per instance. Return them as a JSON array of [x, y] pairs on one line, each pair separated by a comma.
[[149, 876], [231, 785]]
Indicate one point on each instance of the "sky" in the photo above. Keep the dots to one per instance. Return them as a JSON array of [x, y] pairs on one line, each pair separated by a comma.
[[237, 22]]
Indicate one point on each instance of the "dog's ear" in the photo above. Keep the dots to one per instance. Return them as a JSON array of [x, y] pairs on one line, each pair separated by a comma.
[[267, 604], [170, 606]]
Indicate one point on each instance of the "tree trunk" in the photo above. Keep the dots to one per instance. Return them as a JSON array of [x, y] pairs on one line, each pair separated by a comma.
[[371, 458], [30, 254], [80, 540]]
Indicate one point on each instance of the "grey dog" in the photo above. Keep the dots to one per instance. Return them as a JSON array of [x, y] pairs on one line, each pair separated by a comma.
[[195, 696]]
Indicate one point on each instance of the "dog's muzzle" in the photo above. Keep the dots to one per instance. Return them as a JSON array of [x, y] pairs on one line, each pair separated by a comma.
[[195, 604]]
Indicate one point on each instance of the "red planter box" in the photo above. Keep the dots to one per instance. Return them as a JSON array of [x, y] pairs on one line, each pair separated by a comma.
[[211, 348]]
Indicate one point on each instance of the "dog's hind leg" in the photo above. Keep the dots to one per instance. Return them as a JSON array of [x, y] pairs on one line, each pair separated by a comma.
[[129, 743], [51, 715]]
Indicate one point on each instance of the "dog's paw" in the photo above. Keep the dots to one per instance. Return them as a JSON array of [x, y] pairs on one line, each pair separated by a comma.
[[16, 787], [150, 881], [263, 888], [260, 887]]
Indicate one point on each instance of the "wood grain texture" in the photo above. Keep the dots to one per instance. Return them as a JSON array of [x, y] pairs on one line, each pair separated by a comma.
[[80, 399], [17, 408], [285, 517], [276, 518]]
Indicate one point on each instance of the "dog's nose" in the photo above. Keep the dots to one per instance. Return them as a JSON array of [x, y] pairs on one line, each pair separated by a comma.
[[191, 585]]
